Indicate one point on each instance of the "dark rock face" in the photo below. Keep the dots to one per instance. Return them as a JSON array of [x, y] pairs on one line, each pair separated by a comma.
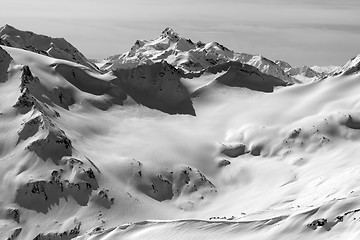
[[317, 223], [55, 146], [5, 60], [15, 234], [156, 86], [24, 102], [40, 195], [233, 151], [353, 123], [53, 47], [14, 214], [27, 78], [242, 75], [224, 163]]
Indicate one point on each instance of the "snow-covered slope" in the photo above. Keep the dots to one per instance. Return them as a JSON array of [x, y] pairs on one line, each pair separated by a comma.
[[350, 67], [188, 56], [80, 159], [304, 74], [54, 47], [328, 70]]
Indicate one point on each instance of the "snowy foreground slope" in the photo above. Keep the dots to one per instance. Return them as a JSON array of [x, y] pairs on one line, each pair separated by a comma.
[[145, 153]]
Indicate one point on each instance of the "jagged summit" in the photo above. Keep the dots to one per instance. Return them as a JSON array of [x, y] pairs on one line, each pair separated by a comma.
[[188, 56], [38, 43], [171, 34]]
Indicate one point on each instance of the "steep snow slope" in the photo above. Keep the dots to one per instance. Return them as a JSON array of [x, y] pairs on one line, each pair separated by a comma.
[[188, 56], [79, 161], [54, 47], [5, 60], [352, 66]]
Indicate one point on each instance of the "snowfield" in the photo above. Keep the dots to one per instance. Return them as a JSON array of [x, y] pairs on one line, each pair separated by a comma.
[[155, 149]]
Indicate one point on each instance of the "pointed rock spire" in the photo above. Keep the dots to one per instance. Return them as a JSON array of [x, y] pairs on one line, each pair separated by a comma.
[[170, 34]]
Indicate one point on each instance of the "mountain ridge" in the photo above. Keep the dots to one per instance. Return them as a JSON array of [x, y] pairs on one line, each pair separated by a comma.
[[38, 43]]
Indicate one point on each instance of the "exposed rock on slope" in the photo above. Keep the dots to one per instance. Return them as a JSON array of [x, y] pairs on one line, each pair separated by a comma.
[[156, 86], [41, 195], [184, 184], [66, 235], [5, 60], [242, 75], [53, 47]]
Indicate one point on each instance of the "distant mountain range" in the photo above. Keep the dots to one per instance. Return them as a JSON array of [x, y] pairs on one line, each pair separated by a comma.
[[184, 54]]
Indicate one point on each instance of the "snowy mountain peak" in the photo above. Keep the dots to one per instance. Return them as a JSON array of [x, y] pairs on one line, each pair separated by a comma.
[[188, 56], [170, 34], [7, 26]]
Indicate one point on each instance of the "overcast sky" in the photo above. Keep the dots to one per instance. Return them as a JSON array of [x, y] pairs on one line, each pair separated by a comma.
[[301, 32]]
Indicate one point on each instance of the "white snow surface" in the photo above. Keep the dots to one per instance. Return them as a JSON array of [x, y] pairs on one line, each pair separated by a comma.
[[82, 160], [350, 67], [325, 69]]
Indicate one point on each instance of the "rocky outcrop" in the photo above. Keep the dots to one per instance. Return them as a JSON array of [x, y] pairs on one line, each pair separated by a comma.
[[156, 86], [184, 184], [5, 60], [40, 195], [66, 235]]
